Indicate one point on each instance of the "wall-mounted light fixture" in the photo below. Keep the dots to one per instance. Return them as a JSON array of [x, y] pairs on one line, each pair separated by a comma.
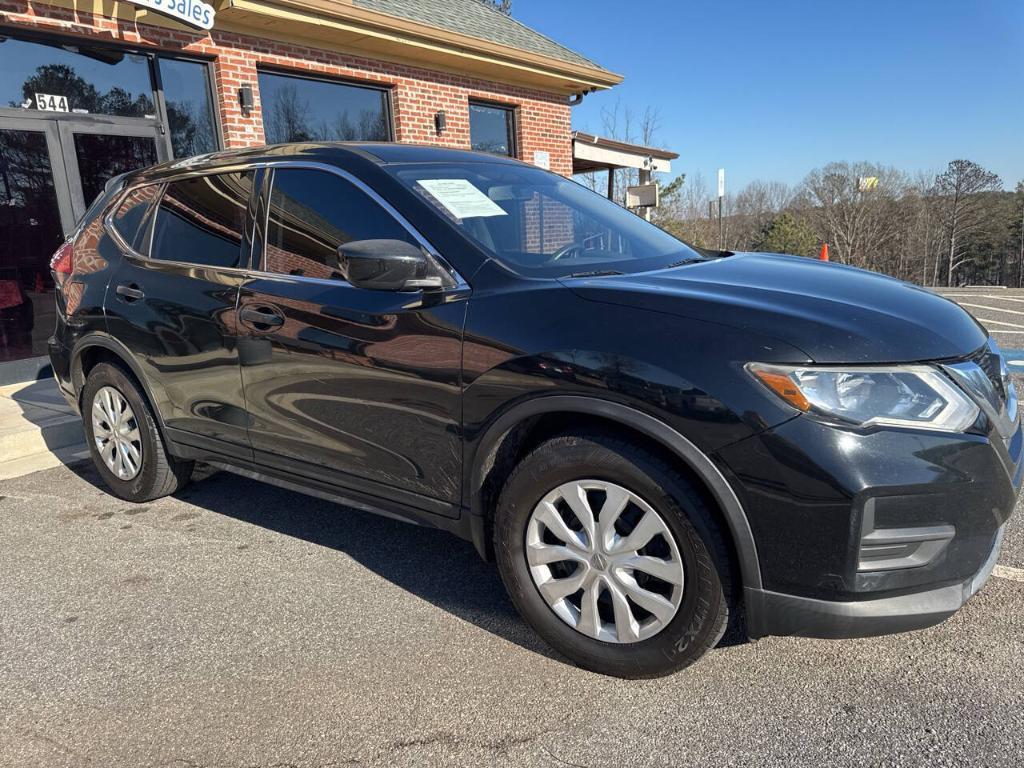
[[440, 121], [246, 100]]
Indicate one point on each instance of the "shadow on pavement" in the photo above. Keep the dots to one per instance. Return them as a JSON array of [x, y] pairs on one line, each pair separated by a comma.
[[429, 563]]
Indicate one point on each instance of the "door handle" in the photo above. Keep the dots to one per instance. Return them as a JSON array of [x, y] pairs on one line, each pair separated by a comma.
[[130, 292], [260, 318]]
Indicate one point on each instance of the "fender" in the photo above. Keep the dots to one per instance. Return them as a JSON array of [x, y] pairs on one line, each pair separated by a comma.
[[104, 340], [695, 459]]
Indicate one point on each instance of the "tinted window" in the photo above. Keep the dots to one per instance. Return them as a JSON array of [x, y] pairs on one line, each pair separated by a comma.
[[539, 223], [490, 129], [314, 212], [131, 215], [299, 109], [91, 80], [189, 109], [201, 220], [101, 158]]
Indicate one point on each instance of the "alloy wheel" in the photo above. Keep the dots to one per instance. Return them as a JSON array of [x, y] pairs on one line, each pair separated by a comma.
[[604, 561], [116, 433]]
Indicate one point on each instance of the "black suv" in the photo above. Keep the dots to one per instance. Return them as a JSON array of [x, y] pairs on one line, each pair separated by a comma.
[[655, 443]]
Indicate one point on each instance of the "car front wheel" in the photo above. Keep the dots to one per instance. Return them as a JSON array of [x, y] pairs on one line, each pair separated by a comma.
[[612, 556]]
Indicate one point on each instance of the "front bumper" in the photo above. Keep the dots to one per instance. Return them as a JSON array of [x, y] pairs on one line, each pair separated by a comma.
[[775, 613], [863, 533]]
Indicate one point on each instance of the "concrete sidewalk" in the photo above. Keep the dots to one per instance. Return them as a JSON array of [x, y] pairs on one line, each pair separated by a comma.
[[38, 429]]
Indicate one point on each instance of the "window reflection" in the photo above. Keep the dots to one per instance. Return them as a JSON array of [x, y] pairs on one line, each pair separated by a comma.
[[30, 231], [189, 109], [93, 80], [102, 157], [201, 220], [312, 213], [299, 109], [491, 129]]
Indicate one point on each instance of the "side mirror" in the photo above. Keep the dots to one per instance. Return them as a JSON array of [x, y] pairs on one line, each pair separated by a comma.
[[386, 265]]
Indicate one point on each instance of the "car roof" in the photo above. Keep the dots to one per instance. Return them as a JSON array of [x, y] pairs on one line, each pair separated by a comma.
[[339, 153]]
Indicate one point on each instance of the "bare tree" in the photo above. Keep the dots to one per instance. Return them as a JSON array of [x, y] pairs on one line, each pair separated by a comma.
[[623, 124], [856, 220], [960, 186], [504, 6]]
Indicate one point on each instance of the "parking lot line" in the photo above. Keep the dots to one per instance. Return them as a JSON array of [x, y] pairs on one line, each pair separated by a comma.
[[1006, 572], [992, 308], [999, 322]]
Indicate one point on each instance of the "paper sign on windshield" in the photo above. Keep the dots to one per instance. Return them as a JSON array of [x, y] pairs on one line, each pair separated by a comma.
[[461, 198]]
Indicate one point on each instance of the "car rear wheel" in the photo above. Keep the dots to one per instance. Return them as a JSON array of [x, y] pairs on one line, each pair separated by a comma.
[[124, 440], [612, 557]]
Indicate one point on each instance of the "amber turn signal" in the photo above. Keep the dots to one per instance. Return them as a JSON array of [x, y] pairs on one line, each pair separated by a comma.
[[783, 386]]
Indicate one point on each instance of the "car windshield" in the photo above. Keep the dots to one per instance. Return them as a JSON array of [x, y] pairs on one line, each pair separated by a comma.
[[539, 224]]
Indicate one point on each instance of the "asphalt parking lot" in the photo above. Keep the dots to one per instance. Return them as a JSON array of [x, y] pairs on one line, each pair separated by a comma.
[[237, 624], [999, 310]]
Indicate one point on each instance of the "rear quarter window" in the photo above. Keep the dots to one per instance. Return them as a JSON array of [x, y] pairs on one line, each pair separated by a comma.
[[132, 215]]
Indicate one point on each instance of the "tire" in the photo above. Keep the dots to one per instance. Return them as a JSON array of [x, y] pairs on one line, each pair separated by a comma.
[[158, 473], [609, 646]]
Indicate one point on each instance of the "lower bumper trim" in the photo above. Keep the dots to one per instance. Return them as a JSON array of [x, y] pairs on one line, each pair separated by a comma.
[[776, 613]]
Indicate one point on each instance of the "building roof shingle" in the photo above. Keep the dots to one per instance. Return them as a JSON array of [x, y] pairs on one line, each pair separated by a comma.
[[476, 19]]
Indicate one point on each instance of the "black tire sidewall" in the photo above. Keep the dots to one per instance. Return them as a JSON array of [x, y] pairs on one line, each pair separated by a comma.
[[696, 625], [140, 487]]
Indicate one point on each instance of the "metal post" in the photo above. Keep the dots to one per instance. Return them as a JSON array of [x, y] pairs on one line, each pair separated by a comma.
[[645, 178], [1020, 263], [721, 231], [611, 184]]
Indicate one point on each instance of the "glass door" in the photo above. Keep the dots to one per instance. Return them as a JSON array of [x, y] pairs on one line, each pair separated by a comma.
[[50, 172], [94, 153], [35, 213]]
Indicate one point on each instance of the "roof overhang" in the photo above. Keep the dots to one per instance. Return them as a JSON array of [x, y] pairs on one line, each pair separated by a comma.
[[596, 153], [341, 26]]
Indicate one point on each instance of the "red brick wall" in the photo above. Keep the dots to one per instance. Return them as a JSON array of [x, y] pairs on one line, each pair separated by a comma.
[[542, 118]]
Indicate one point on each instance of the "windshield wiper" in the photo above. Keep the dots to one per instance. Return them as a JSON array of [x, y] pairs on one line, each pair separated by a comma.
[[683, 262], [596, 273]]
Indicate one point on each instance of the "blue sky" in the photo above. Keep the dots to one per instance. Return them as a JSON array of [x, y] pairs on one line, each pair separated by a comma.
[[770, 89]]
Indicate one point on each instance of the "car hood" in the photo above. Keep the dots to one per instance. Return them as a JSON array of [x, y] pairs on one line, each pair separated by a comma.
[[833, 313]]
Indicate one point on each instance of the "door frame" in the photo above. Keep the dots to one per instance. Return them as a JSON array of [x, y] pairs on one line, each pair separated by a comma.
[[132, 127], [58, 170]]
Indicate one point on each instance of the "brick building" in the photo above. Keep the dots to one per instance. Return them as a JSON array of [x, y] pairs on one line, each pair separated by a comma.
[[92, 88]]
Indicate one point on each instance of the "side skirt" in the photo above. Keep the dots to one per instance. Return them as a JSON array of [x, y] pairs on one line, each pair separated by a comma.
[[458, 524]]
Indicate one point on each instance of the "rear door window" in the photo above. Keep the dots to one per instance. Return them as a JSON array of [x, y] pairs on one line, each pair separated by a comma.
[[202, 220]]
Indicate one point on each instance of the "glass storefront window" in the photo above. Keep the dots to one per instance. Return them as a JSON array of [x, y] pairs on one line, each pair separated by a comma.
[[82, 79], [491, 129], [300, 109], [190, 117]]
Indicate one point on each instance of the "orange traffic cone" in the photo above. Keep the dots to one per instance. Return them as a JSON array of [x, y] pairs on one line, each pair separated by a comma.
[[823, 256]]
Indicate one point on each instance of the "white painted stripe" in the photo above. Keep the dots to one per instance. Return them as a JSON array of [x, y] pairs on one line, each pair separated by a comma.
[[999, 322], [1006, 572], [994, 309], [1000, 330], [1005, 298]]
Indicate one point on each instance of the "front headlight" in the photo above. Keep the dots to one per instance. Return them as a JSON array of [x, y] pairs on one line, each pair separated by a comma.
[[900, 396]]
